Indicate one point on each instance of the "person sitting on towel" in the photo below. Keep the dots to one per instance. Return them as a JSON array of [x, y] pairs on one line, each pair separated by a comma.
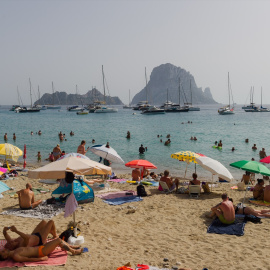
[[172, 184], [258, 191], [225, 210], [27, 199], [36, 254], [36, 238], [136, 175]]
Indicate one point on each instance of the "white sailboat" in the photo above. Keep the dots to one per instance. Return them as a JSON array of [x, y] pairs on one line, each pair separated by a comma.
[[189, 105], [262, 109], [251, 107], [53, 106], [75, 108], [227, 109], [41, 107], [28, 109], [105, 109], [128, 106]]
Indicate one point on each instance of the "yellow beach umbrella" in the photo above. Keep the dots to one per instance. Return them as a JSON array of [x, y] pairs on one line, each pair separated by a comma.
[[187, 156], [10, 151]]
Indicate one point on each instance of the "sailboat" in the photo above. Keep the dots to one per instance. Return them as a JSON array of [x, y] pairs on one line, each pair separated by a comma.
[[105, 109], [262, 109], [41, 107], [128, 106], [14, 107], [53, 106], [189, 105], [251, 107], [227, 109], [28, 109]]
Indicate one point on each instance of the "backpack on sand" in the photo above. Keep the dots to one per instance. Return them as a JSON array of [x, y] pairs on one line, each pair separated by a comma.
[[141, 191]]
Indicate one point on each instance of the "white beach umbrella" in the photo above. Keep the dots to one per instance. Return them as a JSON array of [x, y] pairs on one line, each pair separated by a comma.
[[107, 153], [58, 169], [215, 167]]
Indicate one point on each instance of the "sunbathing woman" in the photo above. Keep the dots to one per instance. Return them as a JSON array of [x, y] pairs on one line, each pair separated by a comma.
[[35, 254], [249, 211], [36, 238]]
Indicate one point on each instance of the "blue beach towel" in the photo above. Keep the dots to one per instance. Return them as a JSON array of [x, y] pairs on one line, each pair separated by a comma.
[[237, 228], [122, 200], [3, 187]]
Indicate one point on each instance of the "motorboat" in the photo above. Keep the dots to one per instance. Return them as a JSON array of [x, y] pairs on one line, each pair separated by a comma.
[[141, 105], [105, 109], [153, 110], [226, 110], [83, 112], [27, 110], [14, 107], [74, 108]]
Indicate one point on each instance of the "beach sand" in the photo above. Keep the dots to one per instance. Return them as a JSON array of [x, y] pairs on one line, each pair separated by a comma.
[[169, 226]]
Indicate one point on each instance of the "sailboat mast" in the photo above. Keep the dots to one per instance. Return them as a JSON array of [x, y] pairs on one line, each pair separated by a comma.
[[103, 79], [52, 94], [190, 92], [30, 92], [18, 95], [229, 89], [261, 96], [179, 93], [129, 97], [146, 86], [167, 96]]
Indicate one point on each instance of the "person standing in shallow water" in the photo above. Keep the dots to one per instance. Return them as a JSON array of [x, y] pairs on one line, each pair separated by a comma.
[[14, 137], [5, 137], [81, 148]]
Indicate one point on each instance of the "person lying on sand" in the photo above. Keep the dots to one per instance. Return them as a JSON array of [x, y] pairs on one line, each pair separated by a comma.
[[27, 199], [225, 210], [36, 238], [35, 254], [245, 210]]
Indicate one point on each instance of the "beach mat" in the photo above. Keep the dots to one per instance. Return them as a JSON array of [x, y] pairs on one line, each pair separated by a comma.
[[117, 180], [57, 257], [113, 195], [262, 203], [122, 200], [43, 211], [237, 228]]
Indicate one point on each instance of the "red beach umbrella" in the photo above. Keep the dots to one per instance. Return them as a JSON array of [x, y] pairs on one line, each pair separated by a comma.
[[141, 164], [265, 160], [24, 156]]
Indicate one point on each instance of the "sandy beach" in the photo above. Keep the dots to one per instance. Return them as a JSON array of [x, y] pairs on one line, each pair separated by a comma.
[[169, 226]]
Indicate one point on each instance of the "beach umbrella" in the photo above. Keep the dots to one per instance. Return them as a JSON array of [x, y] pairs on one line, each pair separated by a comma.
[[10, 151], [265, 160], [251, 166], [215, 167], [141, 164], [24, 156], [58, 169], [2, 170], [106, 153], [187, 156], [77, 155]]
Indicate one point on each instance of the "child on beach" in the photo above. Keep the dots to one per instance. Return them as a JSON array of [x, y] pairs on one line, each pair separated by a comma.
[[38, 156]]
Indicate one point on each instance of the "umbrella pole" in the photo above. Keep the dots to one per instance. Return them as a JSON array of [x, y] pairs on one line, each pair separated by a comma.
[[7, 165], [212, 182], [185, 171], [74, 218]]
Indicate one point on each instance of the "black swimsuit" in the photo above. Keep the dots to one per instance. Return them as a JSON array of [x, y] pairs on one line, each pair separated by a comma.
[[40, 238]]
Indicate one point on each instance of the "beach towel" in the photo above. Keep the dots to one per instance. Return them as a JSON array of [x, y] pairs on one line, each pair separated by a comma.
[[237, 228], [122, 200], [57, 257], [117, 180], [3, 187], [71, 205], [263, 203], [113, 195], [43, 211]]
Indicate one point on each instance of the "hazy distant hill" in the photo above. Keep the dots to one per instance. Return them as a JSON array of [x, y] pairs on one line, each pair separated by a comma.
[[62, 98], [167, 76]]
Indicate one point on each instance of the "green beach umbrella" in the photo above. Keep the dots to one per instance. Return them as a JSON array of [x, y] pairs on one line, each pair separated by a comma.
[[251, 166]]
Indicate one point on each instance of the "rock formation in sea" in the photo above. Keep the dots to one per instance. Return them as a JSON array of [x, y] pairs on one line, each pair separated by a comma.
[[166, 76], [62, 98]]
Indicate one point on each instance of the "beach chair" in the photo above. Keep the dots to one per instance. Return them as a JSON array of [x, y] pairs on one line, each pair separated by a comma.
[[194, 190], [165, 187]]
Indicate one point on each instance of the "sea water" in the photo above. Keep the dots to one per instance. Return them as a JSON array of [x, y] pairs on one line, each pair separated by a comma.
[[207, 125]]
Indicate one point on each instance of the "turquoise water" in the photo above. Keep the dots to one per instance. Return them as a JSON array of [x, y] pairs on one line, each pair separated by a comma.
[[207, 125]]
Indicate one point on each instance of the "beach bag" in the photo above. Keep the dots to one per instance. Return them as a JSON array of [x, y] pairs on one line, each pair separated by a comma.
[[253, 219], [141, 191], [205, 187], [67, 233]]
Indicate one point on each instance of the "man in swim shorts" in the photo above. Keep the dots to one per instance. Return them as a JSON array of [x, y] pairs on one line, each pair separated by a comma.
[[172, 184], [36, 238], [57, 152], [225, 210], [35, 254], [27, 199]]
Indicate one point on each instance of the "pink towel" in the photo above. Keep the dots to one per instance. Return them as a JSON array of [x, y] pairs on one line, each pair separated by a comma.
[[113, 195], [71, 205], [57, 257]]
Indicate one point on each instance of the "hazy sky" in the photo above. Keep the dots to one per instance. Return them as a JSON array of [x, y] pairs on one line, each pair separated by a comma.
[[67, 42]]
